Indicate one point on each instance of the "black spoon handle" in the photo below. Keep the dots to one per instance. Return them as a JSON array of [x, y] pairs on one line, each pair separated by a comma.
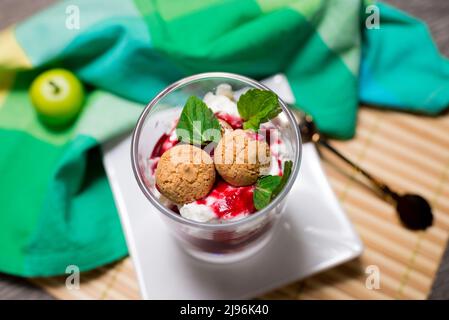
[[382, 187]]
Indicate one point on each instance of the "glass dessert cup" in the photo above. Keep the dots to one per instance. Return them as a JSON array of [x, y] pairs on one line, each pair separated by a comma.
[[223, 241]]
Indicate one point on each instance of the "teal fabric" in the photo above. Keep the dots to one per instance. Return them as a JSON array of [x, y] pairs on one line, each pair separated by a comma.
[[49, 27], [118, 51], [401, 67]]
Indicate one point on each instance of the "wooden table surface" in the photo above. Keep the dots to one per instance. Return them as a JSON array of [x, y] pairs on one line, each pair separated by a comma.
[[434, 12]]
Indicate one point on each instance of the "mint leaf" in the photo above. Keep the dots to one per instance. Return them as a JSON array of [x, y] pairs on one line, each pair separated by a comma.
[[285, 175], [197, 124], [258, 106], [264, 190], [268, 187]]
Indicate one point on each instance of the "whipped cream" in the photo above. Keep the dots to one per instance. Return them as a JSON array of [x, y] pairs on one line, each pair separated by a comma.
[[197, 212], [278, 151], [222, 101]]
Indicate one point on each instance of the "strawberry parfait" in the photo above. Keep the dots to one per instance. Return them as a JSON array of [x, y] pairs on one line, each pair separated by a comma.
[[240, 169]]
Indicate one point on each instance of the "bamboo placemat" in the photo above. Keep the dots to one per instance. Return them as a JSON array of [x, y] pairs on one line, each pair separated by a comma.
[[409, 152]]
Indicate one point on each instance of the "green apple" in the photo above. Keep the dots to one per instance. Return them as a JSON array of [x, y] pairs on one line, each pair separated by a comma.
[[57, 96]]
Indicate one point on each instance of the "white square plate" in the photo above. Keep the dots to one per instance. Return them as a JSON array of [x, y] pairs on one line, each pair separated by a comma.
[[313, 235]]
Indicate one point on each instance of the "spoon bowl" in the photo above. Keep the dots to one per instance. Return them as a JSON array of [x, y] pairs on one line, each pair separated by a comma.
[[414, 211]]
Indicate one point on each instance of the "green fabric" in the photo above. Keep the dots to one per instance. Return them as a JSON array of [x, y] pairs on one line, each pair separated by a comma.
[[56, 205]]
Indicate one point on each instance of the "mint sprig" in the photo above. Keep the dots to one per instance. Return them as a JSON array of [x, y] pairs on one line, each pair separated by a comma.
[[268, 187], [264, 190], [197, 124], [257, 106], [285, 175]]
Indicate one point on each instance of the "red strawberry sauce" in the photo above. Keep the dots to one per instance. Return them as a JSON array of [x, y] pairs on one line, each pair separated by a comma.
[[234, 121], [227, 201], [163, 144]]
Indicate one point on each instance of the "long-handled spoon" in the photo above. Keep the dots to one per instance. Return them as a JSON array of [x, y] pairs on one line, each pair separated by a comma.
[[414, 211]]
